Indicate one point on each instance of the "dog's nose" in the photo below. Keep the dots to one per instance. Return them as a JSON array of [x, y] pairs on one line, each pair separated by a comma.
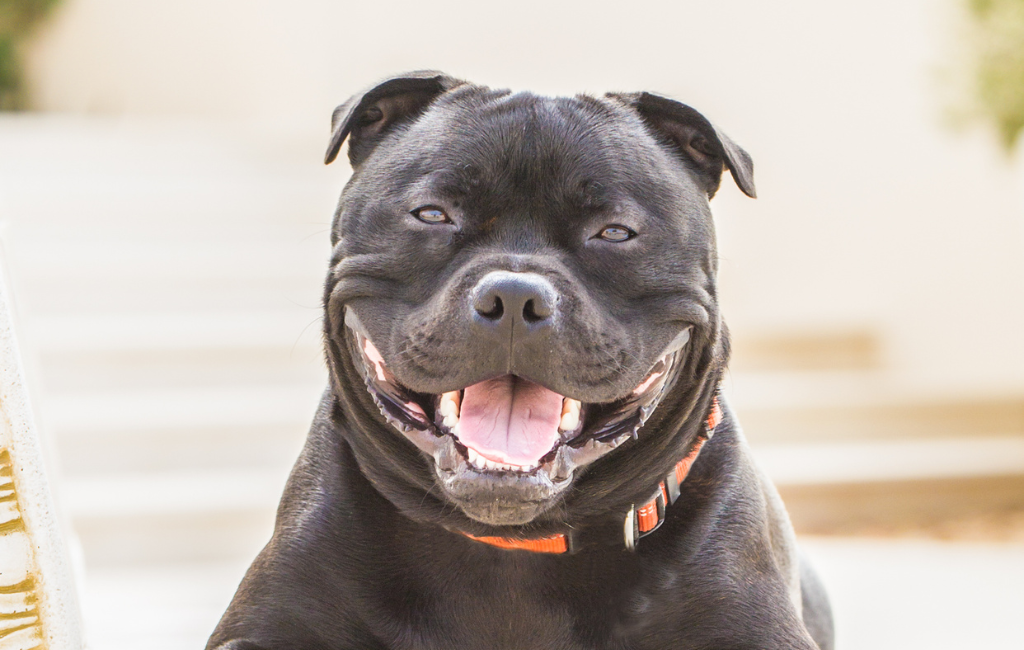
[[516, 301]]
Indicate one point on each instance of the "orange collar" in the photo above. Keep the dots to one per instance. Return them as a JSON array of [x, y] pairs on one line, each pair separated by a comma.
[[638, 522]]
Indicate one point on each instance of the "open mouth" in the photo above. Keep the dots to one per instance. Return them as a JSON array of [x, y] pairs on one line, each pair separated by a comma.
[[508, 424]]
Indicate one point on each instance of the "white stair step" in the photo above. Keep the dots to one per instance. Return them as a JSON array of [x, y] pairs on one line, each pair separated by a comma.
[[184, 449], [170, 207], [853, 405], [846, 388], [163, 411], [170, 295], [891, 460], [65, 373], [298, 328], [184, 492], [283, 253]]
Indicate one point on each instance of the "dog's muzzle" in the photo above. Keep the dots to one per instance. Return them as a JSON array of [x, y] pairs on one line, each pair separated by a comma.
[[507, 424]]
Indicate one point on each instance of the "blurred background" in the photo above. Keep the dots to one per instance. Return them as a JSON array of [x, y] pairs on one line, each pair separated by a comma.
[[166, 228]]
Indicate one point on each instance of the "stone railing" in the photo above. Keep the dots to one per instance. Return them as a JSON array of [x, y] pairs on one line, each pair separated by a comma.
[[38, 605]]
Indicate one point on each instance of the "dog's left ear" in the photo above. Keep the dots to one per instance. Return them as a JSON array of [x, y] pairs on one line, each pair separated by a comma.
[[710, 150], [366, 116]]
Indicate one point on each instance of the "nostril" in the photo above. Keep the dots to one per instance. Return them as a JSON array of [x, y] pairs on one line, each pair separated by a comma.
[[490, 307], [505, 300], [532, 313]]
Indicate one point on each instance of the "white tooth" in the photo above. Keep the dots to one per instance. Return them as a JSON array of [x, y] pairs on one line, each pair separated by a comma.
[[452, 398], [445, 408], [449, 404], [569, 421], [490, 464], [450, 421], [472, 456], [570, 406]]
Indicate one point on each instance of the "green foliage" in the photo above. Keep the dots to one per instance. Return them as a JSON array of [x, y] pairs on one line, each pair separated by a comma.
[[998, 44], [17, 18]]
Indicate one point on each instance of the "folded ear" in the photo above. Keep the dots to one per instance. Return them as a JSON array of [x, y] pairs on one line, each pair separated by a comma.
[[695, 137], [365, 117]]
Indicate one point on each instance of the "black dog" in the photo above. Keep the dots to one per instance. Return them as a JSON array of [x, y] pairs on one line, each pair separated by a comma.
[[522, 444]]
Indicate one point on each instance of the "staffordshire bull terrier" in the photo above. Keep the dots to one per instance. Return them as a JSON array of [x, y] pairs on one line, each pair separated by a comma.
[[523, 444]]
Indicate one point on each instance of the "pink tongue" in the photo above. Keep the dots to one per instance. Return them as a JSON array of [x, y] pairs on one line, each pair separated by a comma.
[[510, 420]]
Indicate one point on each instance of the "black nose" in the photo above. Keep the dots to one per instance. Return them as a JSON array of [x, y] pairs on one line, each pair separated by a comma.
[[515, 301]]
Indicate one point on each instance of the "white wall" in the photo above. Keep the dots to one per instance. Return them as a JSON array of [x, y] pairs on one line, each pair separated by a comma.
[[872, 213]]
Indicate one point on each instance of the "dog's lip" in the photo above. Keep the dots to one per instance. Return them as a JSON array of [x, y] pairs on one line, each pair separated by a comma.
[[601, 428]]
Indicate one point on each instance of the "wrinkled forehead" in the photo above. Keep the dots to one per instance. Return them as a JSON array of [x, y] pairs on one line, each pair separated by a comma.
[[571, 150]]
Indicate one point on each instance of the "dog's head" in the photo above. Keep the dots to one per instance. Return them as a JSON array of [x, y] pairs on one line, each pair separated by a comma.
[[520, 286]]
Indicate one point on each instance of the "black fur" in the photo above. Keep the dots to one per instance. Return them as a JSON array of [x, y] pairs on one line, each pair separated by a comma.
[[367, 551]]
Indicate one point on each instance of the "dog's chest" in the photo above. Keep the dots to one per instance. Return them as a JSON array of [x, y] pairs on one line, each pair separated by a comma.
[[513, 601]]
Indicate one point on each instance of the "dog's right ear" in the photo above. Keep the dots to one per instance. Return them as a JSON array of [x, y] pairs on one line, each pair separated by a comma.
[[365, 117]]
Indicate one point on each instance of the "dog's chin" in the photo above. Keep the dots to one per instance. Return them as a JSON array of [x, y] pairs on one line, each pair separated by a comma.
[[506, 449], [500, 499]]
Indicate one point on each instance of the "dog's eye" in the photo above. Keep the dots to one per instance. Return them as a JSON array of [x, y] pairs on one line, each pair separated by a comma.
[[430, 214], [616, 233]]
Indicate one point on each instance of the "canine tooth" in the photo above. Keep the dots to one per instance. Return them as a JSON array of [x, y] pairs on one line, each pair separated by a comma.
[[472, 456], [569, 421], [570, 405], [450, 421], [449, 404], [570, 414]]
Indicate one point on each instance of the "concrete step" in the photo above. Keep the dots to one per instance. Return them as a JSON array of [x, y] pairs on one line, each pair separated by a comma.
[[811, 350], [68, 372], [177, 331], [64, 159], [83, 414], [158, 429], [867, 461], [285, 251], [178, 350], [174, 278], [190, 515], [865, 405]]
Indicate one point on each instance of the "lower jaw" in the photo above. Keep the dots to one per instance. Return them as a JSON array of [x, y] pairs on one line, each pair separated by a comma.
[[498, 499]]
